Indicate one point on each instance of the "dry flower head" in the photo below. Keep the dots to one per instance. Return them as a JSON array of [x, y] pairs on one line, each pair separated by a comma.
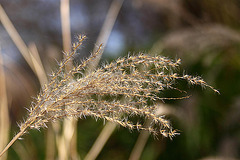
[[116, 92]]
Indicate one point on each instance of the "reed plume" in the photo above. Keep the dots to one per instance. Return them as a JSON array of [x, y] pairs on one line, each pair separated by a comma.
[[115, 92]]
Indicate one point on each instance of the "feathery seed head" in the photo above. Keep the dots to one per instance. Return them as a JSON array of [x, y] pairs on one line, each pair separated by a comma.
[[116, 92]]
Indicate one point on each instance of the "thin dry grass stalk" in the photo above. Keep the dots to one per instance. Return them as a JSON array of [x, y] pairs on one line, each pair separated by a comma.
[[64, 139], [32, 59], [97, 94], [106, 29], [37, 63], [65, 21], [7, 24], [143, 136], [140, 144], [103, 38], [100, 141], [4, 113]]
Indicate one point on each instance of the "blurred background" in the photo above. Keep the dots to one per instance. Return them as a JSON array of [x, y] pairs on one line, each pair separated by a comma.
[[203, 33]]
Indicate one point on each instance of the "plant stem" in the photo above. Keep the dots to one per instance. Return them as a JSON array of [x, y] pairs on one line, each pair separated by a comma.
[[12, 141]]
